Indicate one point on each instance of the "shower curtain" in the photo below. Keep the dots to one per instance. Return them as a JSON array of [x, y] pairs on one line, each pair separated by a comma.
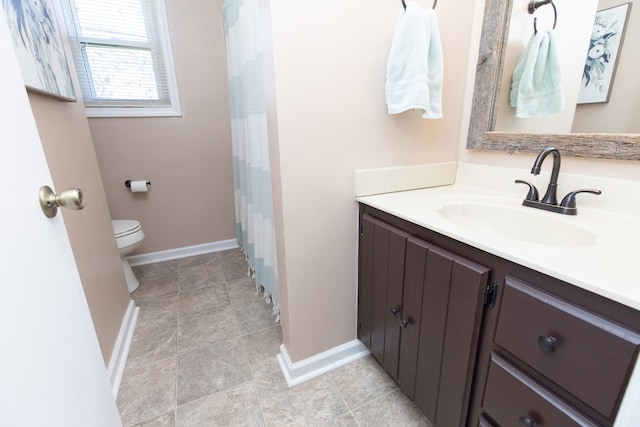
[[252, 172]]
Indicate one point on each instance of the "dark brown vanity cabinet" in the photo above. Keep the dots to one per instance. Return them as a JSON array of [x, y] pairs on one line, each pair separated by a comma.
[[419, 312], [477, 340]]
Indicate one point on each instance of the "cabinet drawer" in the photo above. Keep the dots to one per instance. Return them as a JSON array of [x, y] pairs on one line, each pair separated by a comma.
[[513, 399], [584, 354]]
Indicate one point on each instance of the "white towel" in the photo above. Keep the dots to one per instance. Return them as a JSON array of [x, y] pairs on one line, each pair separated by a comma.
[[536, 84], [415, 65]]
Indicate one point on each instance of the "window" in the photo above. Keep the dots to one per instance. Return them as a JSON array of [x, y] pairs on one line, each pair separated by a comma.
[[123, 57]]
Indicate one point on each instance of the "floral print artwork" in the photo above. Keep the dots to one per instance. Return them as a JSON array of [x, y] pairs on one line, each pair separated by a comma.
[[39, 48], [604, 45]]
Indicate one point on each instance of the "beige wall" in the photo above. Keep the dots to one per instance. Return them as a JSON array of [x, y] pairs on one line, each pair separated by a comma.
[[66, 140], [188, 158], [620, 114], [266, 37], [330, 66]]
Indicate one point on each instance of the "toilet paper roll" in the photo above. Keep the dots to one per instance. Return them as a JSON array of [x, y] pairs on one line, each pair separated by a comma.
[[138, 186]]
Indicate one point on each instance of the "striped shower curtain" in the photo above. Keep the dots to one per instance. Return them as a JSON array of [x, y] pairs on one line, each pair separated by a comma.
[[252, 172]]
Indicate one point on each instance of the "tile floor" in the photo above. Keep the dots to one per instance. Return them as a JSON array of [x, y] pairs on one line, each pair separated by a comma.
[[203, 354]]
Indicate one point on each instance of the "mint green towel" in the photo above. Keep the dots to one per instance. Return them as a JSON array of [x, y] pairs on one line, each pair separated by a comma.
[[536, 86], [415, 65]]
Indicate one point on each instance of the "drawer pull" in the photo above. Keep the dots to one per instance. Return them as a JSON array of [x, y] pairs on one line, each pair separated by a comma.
[[394, 311], [405, 323], [527, 422], [548, 344]]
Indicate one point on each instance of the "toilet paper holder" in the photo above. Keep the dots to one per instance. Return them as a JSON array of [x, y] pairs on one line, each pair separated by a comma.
[[127, 183]]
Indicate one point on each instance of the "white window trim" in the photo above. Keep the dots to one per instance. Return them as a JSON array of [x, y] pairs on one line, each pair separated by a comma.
[[172, 84]]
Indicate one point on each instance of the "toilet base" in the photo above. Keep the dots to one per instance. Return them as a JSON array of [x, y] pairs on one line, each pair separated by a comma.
[[132, 280]]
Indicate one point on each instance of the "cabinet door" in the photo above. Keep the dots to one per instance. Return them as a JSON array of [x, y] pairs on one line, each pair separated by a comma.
[[465, 310], [380, 290], [443, 305]]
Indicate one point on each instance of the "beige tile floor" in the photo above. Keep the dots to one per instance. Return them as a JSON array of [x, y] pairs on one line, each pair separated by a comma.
[[204, 354]]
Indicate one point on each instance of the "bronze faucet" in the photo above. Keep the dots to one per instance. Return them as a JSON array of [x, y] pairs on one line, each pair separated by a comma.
[[550, 200]]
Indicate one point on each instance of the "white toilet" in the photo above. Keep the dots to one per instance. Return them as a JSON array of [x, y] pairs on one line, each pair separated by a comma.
[[129, 237]]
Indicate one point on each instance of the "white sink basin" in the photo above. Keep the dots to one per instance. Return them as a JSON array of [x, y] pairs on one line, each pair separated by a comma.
[[518, 223]]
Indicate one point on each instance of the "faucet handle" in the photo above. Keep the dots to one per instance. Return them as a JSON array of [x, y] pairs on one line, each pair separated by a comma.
[[532, 195], [569, 201]]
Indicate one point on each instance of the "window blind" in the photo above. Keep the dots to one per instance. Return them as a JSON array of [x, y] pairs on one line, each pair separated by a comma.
[[119, 52]]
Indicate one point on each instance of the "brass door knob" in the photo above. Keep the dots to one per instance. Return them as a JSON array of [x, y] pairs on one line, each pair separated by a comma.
[[50, 201]]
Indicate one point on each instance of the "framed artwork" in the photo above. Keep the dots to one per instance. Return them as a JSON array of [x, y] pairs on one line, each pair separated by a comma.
[[38, 46], [602, 57]]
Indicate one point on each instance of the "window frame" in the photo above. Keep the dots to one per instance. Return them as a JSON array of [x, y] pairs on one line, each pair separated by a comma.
[[128, 108]]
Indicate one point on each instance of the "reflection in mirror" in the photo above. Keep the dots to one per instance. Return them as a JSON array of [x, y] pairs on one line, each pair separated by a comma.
[[493, 123], [573, 36]]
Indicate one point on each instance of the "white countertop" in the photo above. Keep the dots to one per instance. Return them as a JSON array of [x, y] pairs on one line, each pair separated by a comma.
[[610, 266]]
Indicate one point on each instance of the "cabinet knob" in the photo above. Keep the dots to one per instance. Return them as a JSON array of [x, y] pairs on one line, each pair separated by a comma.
[[548, 344], [527, 422], [394, 311], [405, 323]]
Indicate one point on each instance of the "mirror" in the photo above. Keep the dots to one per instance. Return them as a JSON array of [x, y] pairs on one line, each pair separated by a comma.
[[489, 71]]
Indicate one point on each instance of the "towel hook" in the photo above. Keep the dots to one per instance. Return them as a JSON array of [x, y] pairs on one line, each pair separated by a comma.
[[435, 2], [534, 5]]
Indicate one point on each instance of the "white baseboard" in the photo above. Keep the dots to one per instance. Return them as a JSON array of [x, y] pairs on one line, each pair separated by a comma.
[[314, 366], [121, 348], [186, 251]]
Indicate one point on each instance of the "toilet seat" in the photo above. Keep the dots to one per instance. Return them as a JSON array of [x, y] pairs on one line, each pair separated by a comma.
[[129, 237], [125, 227], [128, 233]]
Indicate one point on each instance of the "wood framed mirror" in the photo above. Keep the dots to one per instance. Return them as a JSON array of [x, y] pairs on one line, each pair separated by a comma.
[[482, 135]]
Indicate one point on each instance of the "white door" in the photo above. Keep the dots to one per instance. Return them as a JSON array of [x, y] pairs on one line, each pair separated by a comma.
[[51, 369]]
